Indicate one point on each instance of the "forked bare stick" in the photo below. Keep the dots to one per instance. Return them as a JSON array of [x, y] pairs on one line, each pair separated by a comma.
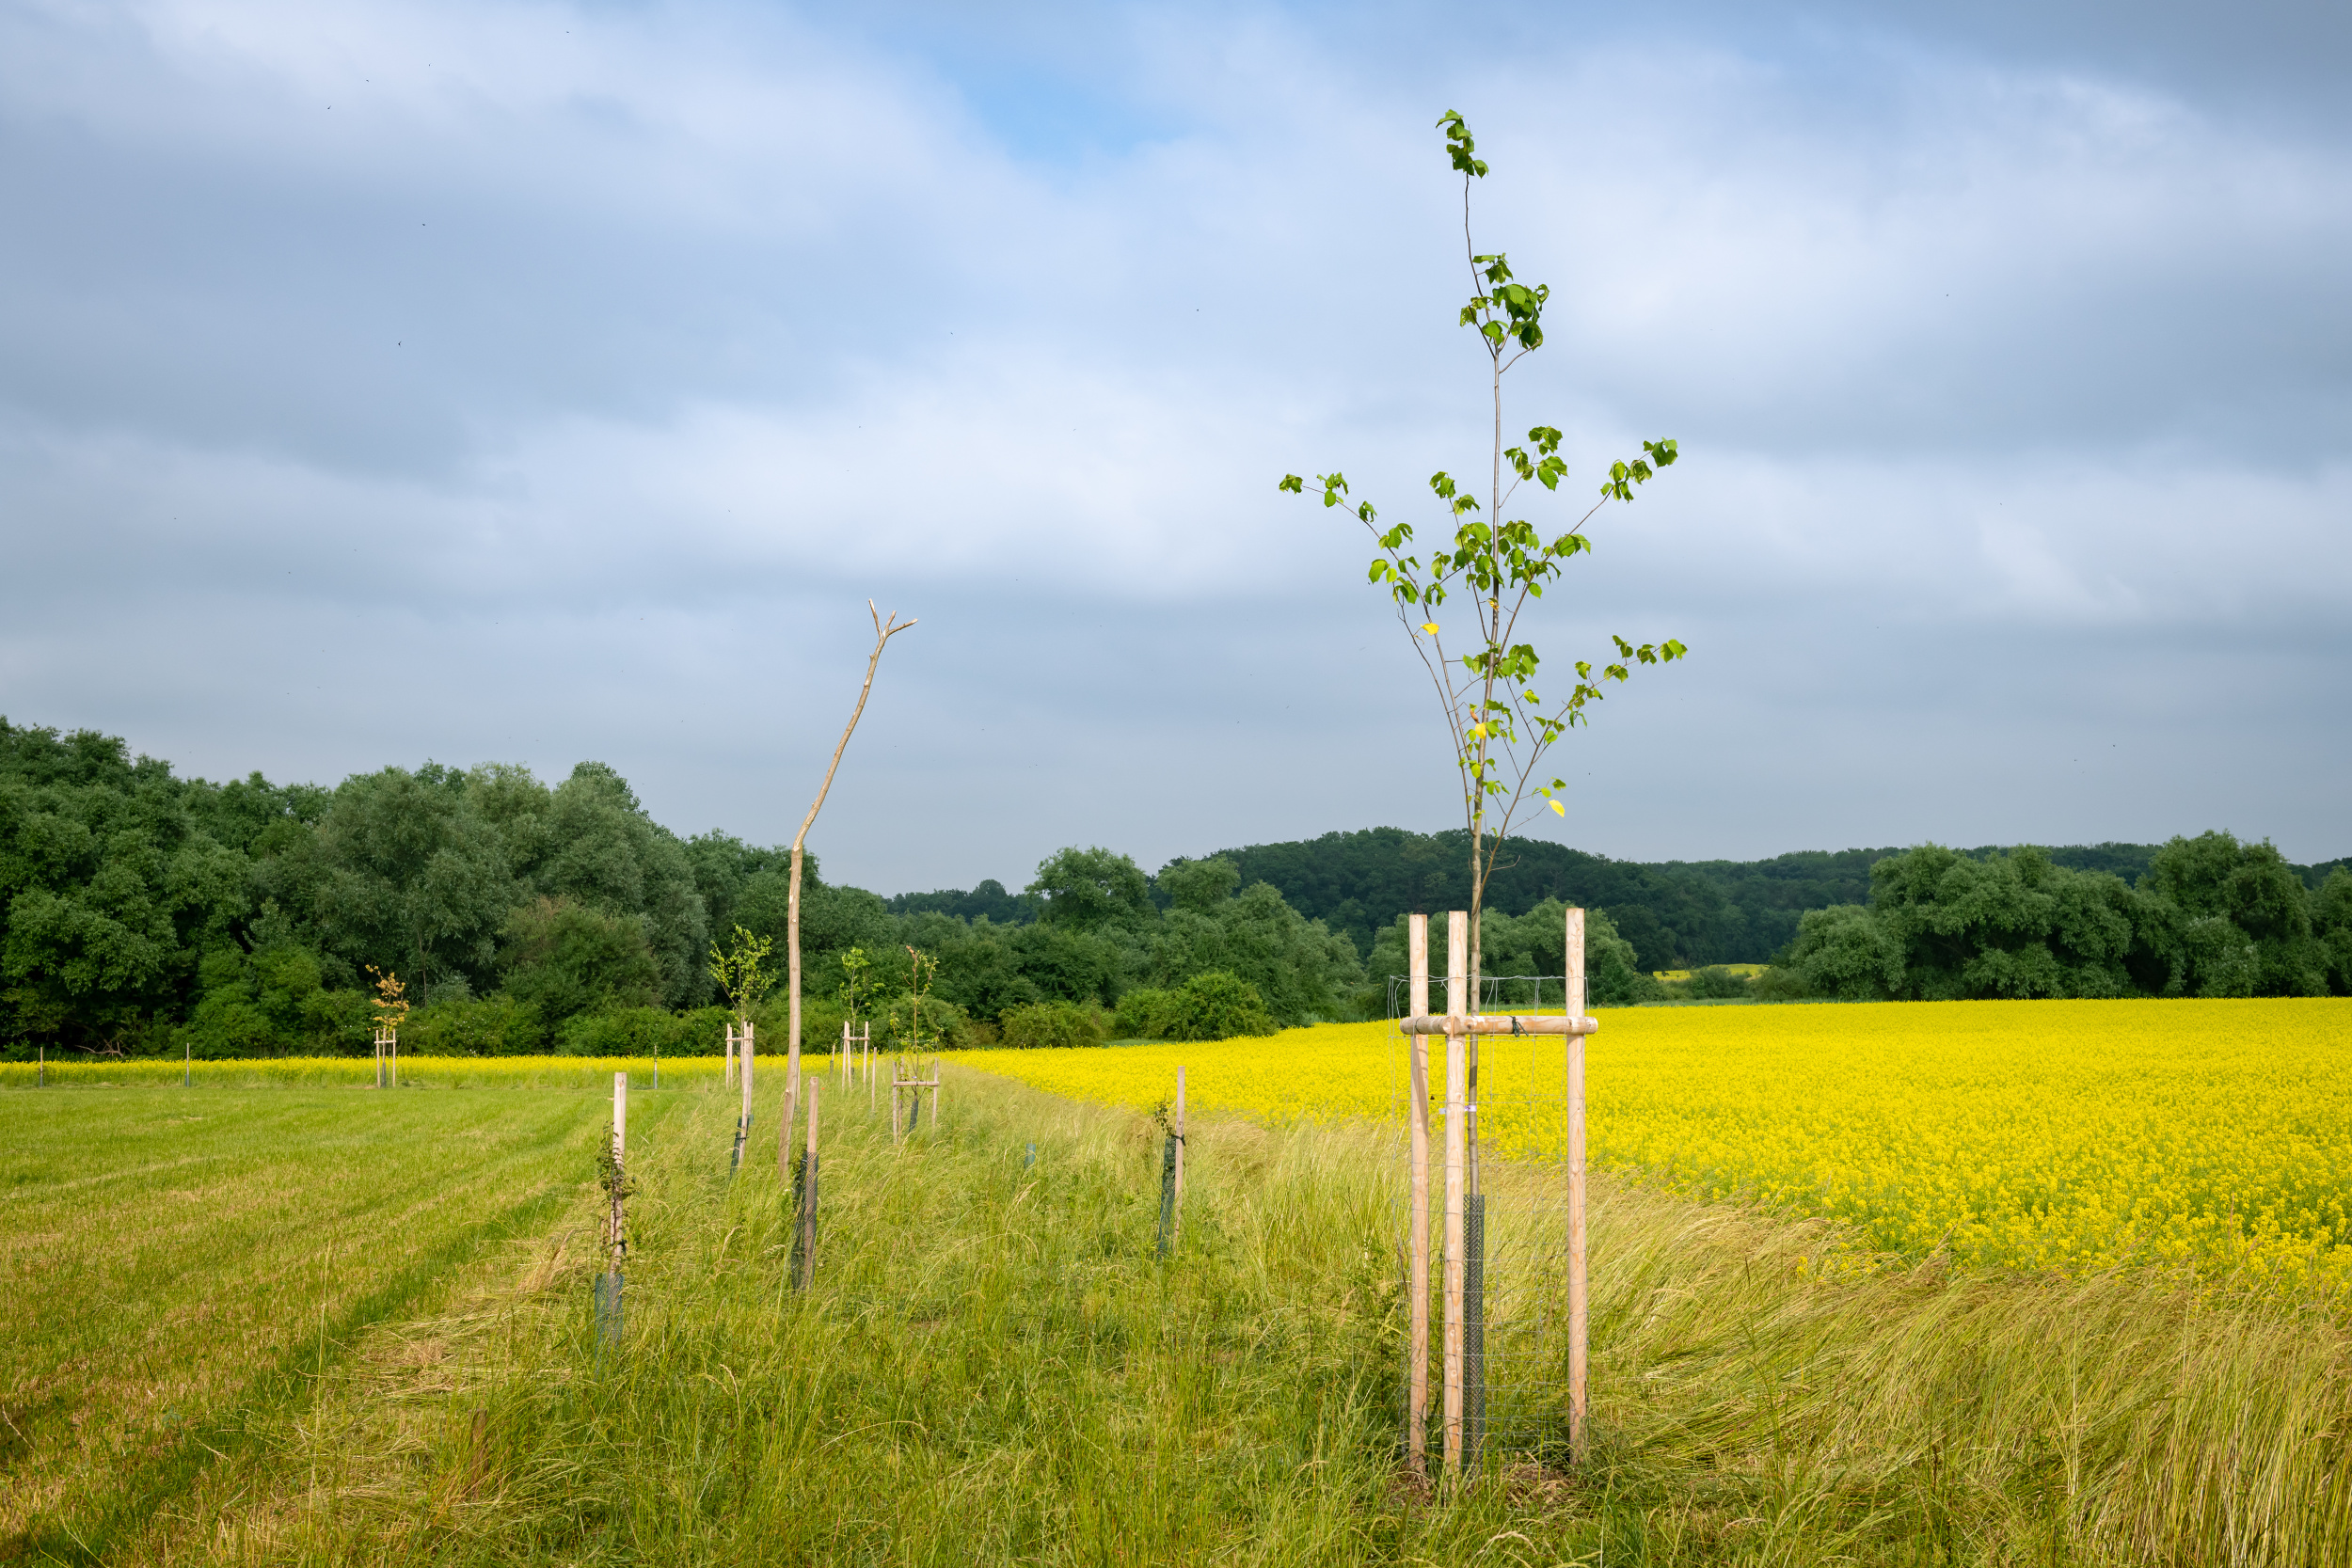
[[883, 634]]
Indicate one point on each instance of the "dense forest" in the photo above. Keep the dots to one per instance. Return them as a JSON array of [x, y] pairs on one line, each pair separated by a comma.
[[145, 913], [141, 912]]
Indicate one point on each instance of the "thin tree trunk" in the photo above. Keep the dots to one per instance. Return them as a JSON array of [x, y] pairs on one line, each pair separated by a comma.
[[883, 634]]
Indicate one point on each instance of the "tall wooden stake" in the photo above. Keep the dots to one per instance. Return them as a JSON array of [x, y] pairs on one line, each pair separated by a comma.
[[1417, 1266], [1579, 1350], [1456, 1177], [883, 634]]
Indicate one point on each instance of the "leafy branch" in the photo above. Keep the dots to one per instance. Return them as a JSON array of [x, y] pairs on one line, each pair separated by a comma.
[[1500, 725]]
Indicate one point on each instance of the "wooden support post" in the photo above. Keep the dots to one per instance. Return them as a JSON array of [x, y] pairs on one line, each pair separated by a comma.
[[40, 1080], [1176, 1222], [618, 1239], [393, 1053], [1578, 1310], [727, 1080], [188, 1062], [1417, 1236], [934, 1099], [1456, 1178]]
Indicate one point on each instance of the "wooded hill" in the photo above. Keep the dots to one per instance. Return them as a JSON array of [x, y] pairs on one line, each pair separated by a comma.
[[1678, 914]]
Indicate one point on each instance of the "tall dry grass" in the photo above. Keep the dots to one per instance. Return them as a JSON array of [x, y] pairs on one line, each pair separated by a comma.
[[992, 1366]]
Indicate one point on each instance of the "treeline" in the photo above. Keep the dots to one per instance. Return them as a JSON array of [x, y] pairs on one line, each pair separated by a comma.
[[2209, 916], [1677, 914], [143, 912]]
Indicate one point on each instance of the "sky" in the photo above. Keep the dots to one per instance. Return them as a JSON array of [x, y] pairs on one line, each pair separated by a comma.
[[538, 383]]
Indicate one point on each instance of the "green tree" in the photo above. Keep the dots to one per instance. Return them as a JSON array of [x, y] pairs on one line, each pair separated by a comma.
[[1083, 890], [2244, 919], [404, 872], [600, 848], [109, 890], [563, 957], [1199, 886], [1500, 727], [1844, 953]]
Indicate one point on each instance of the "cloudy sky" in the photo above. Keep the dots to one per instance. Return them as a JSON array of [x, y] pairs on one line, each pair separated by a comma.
[[530, 382]]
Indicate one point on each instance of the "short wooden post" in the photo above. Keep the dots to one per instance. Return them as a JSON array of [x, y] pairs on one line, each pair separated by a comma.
[[934, 1099], [187, 1061], [1456, 1173], [1417, 1240], [40, 1080], [1579, 1349], [392, 1059], [1176, 1223], [727, 1078]]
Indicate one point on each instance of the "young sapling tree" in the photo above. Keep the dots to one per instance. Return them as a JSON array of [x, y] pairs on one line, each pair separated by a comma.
[[1500, 726], [883, 632]]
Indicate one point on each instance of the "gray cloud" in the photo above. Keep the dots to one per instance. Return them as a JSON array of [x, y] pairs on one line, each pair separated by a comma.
[[544, 383]]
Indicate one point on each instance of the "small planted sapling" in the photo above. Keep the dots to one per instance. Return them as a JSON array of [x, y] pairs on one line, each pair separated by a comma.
[[1499, 723]]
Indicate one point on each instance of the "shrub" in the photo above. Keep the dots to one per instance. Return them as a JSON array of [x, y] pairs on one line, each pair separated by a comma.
[[1780, 984], [1044, 1026], [639, 1031], [493, 1026], [1715, 982], [1216, 1006], [1144, 1014]]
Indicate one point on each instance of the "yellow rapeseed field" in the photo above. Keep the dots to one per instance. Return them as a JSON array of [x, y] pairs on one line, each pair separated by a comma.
[[2065, 1136]]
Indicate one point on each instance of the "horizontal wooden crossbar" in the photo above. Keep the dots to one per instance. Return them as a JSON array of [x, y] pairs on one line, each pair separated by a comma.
[[1498, 1023], [915, 1082]]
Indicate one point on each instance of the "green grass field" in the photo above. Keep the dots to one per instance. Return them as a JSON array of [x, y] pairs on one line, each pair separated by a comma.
[[255, 1325]]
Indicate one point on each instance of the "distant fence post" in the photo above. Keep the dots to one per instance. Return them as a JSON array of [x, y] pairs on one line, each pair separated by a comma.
[[187, 1061], [40, 1080]]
